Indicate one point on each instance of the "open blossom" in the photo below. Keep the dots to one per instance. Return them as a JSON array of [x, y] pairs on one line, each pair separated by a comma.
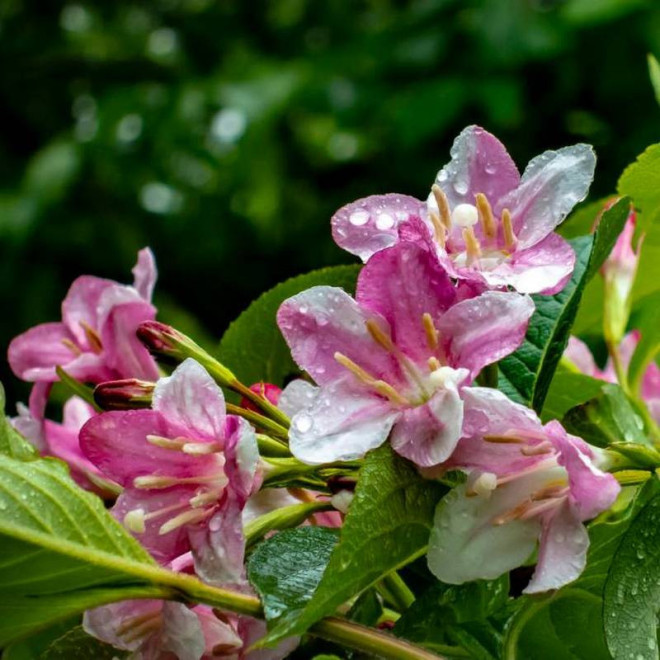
[[187, 469], [95, 341], [487, 223], [394, 359], [579, 354], [527, 483]]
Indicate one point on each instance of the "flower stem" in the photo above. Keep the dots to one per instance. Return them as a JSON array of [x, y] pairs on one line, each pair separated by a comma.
[[619, 368], [402, 595], [259, 420]]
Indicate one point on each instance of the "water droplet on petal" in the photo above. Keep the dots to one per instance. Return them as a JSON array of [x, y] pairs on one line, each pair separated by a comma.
[[384, 221], [490, 168], [461, 186], [359, 218], [303, 423], [442, 176]]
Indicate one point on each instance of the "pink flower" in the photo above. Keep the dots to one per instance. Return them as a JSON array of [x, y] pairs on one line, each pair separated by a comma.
[[61, 440], [187, 469], [486, 222], [268, 391], [579, 354], [526, 483], [96, 339], [394, 359]]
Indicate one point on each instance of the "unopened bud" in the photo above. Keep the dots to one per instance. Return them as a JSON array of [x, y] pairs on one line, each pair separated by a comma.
[[266, 391], [124, 394]]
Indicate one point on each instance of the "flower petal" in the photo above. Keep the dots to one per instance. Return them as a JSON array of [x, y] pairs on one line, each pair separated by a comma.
[[543, 268], [181, 632], [552, 184], [342, 423], [145, 273], [465, 544], [298, 394], [402, 284], [428, 434], [562, 553], [80, 306], [191, 400], [479, 164], [368, 225], [34, 354], [483, 330], [324, 320], [579, 354]]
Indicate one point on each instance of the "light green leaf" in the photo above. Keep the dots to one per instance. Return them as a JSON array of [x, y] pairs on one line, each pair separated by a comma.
[[387, 526], [253, 347], [654, 74], [12, 442], [567, 390], [641, 182], [648, 324]]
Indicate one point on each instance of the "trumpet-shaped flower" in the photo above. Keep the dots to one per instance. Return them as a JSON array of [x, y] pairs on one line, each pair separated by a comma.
[[487, 223], [395, 358], [526, 483], [187, 469], [95, 341]]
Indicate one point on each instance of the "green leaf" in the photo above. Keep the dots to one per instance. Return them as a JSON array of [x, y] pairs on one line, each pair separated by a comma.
[[567, 390], [446, 615], [387, 526], [525, 375], [648, 323], [76, 644], [632, 590], [367, 609], [286, 569], [607, 418], [33, 646], [654, 74], [253, 348], [641, 182], [12, 442]]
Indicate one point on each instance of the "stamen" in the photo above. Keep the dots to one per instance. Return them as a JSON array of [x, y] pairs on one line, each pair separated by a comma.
[[443, 205], [472, 247], [388, 391], [510, 239], [503, 439], [483, 485], [205, 498], [157, 482], [486, 215], [355, 369], [92, 337], [134, 521], [72, 347], [517, 512], [431, 331], [433, 363], [541, 506], [185, 518], [166, 443], [438, 229], [136, 625], [379, 336], [201, 448], [556, 488], [545, 447]]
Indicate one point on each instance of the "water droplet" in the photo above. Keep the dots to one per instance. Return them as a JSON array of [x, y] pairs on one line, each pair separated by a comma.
[[303, 423], [359, 218], [640, 553], [490, 168], [384, 221], [442, 176], [461, 186], [215, 524]]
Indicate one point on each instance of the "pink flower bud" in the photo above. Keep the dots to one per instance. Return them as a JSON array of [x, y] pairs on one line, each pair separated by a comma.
[[267, 391], [159, 337], [124, 394]]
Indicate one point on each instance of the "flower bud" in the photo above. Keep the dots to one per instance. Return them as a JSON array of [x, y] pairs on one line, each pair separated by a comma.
[[124, 394], [619, 272], [266, 391]]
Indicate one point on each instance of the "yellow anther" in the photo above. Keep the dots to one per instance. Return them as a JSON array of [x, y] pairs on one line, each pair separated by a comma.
[[185, 518], [512, 514], [509, 237], [380, 336], [166, 443], [536, 450], [389, 392], [434, 363], [72, 347], [443, 205], [553, 489], [503, 439], [92, 337], [157, 482], [472, 247], [486, 216], [438, 229], [355, 369], [431, 331]]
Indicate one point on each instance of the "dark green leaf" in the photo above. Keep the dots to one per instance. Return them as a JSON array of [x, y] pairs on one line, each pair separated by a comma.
[[253, 348], [607, 418], [525, 375], [367, 609], [387, 526], [632, 589], [78, 645], [286, 569], [647, 321], [654, 75]]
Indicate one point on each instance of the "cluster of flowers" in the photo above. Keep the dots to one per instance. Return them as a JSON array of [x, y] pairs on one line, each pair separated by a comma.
[[442, 295]]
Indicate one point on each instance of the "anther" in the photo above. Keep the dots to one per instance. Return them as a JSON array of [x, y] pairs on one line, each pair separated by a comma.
[[472, 247], [433, 363], [201, 448], [535, 450], [158, 482], [379, 335], [166, 443], [92, 337], [509, 237], [438, 229], [503, 439], [137, 626], [443, 205], [431, 331], [389, 392], [72, 347], [486, 215], [185, 518], [355, 369]]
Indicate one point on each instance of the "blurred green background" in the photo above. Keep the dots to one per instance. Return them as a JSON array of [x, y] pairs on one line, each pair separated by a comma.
[[224, 134]]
